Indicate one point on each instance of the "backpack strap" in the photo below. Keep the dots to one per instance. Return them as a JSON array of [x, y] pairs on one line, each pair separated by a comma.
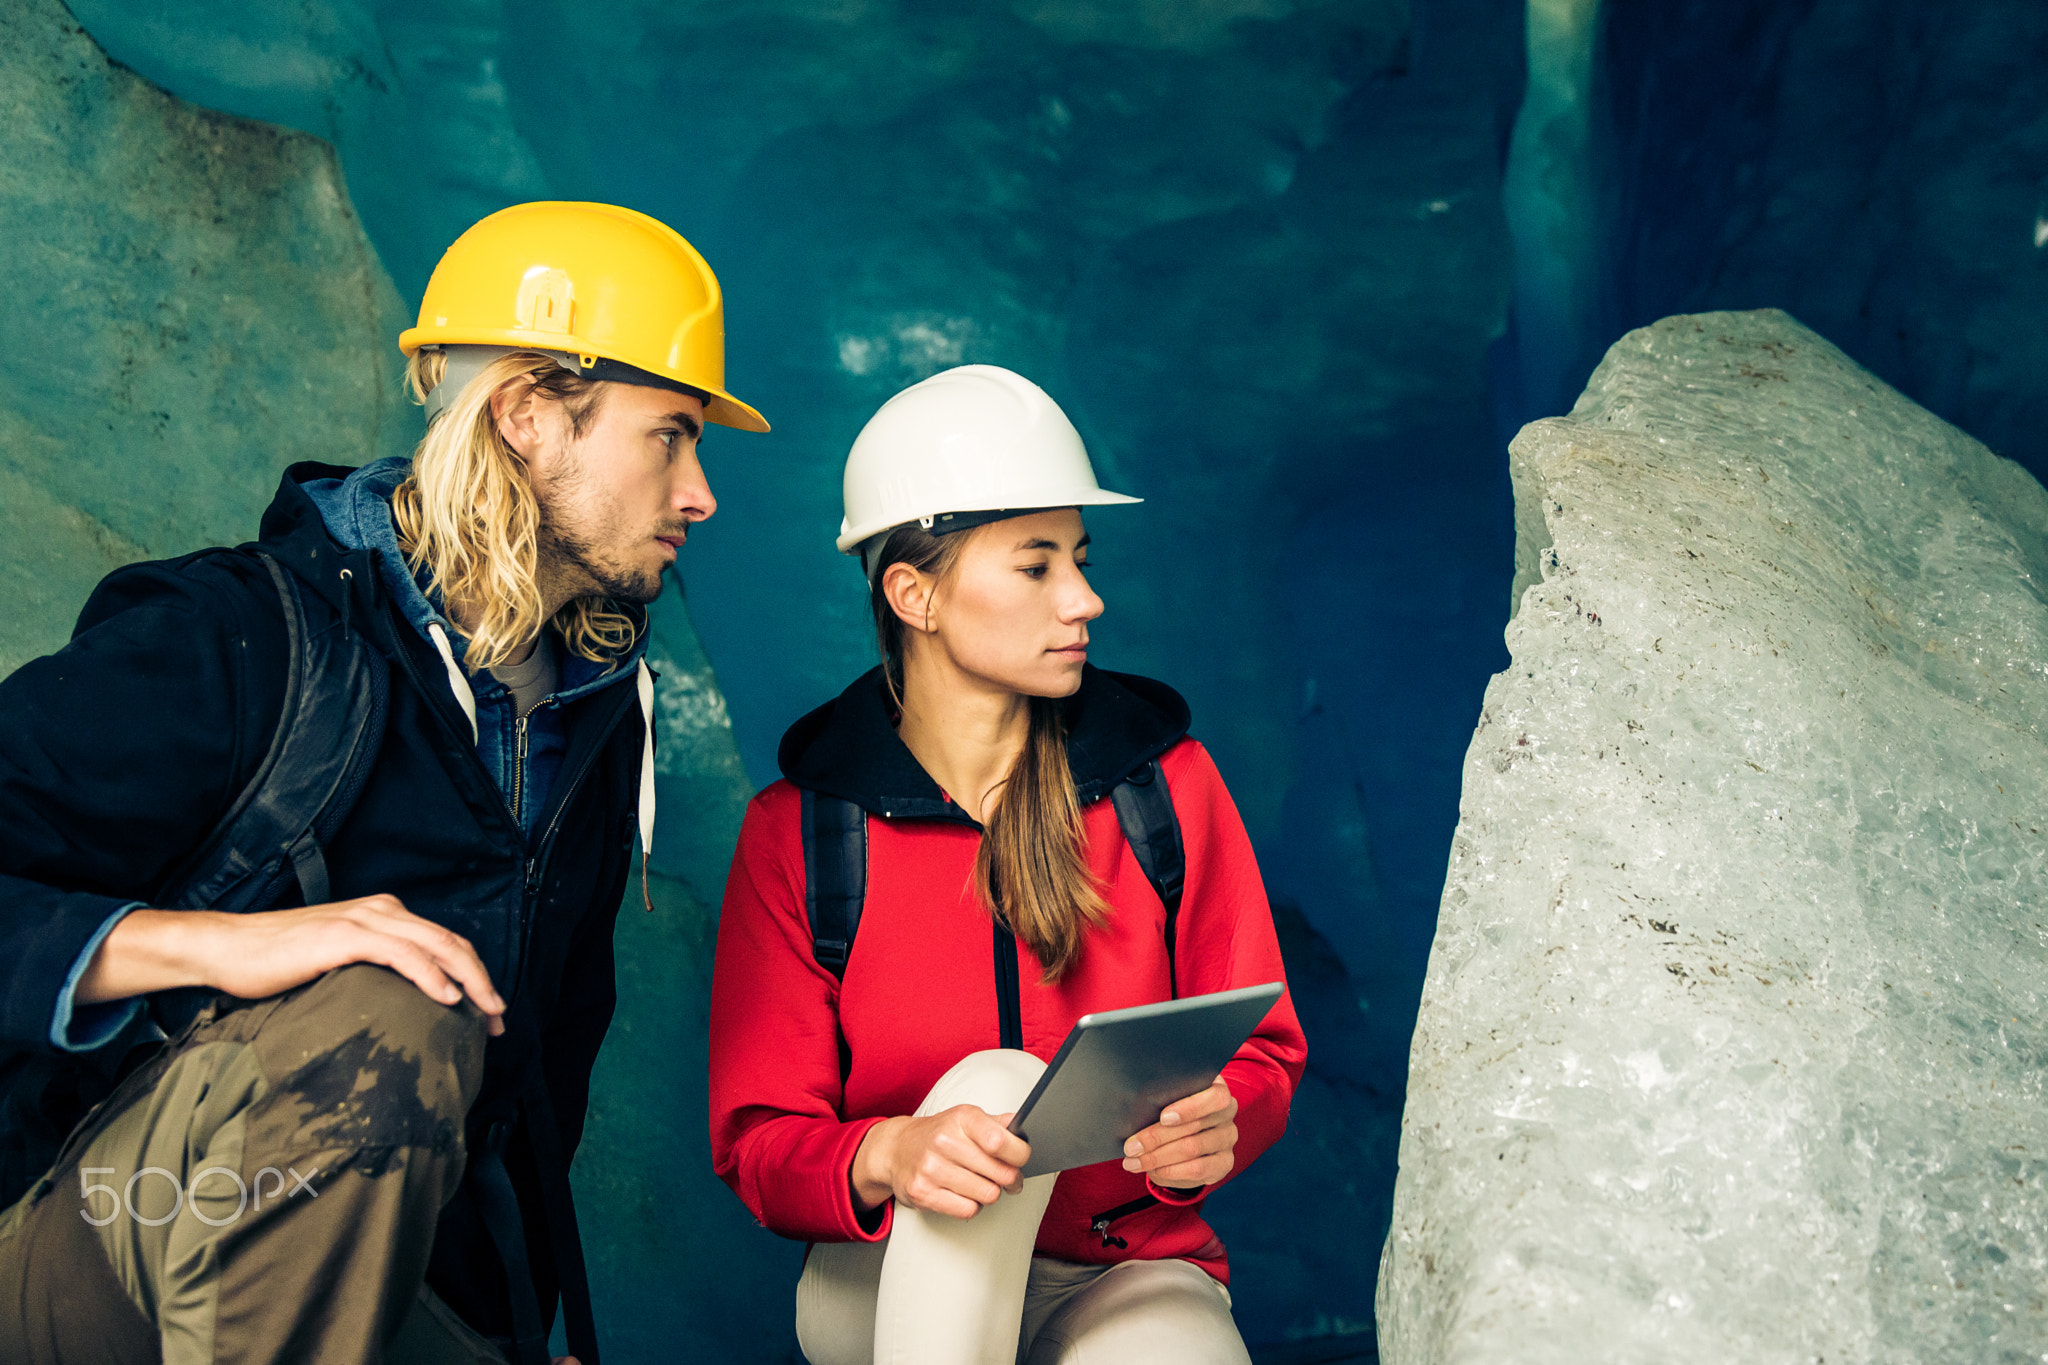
[[320, 755], [319, 759], [835, 835], [1144, 807], [835, 839]]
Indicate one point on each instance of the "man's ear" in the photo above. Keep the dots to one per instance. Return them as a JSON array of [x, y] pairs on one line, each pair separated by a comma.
[[909, 594], [515, 407]]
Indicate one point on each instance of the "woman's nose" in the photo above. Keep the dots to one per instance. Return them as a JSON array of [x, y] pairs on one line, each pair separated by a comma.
[[1082, 603]]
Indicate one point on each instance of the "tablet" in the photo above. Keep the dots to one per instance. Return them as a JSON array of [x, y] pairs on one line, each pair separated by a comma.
[[1119, 1068]]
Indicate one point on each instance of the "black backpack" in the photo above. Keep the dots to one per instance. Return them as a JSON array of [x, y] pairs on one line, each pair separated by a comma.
[[318, 759], [835, 835]]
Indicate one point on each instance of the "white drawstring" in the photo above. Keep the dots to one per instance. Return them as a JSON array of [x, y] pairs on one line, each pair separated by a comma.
[[458, 684], [646, 685]]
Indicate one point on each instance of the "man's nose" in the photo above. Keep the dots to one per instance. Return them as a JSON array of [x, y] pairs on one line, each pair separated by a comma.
[[690, 492]]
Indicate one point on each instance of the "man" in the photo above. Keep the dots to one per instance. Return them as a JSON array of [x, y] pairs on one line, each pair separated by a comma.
[[355, 1144]]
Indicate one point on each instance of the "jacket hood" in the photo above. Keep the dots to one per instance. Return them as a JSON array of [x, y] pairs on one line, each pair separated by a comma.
[[848, 748], [348, 512], [356, 510]]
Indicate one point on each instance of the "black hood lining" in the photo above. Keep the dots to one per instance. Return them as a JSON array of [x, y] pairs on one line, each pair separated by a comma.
[[849, 748]]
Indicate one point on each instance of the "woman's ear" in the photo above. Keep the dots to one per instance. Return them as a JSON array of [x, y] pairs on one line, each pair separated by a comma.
[[909, 594], [515, 407]]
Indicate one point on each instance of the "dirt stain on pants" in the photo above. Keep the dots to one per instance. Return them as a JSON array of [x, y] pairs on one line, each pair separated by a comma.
[[264, 1190]]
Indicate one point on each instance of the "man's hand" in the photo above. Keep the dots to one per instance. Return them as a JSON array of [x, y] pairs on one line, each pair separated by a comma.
[[953, 1162], [258, 955], [1193, 1144]]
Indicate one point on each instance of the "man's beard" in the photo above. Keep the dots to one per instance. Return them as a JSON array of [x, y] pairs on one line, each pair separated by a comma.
[[568, 553], [562, 550]]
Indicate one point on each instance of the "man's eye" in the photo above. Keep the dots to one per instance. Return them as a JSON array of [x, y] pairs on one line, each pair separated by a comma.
[[1083, 565], [1033, 570]]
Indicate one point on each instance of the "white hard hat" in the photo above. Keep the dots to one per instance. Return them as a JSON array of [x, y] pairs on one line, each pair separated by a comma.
[[975, 439]]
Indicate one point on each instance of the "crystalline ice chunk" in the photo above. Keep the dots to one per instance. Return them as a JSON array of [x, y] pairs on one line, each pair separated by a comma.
[[1732, 1043]]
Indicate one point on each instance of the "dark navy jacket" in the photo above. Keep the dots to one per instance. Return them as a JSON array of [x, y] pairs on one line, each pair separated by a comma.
[[122, 750]]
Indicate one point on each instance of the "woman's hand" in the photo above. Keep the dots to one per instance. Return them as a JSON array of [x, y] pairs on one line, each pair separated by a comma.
[[952, 1162], [1193, 1144]]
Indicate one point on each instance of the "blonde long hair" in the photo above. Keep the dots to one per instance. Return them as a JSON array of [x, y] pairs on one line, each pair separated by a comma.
[[1031, 871], [467, 515]]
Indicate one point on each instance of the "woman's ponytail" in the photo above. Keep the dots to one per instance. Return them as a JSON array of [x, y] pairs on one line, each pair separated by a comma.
[[1030, 869], [1030, 872]]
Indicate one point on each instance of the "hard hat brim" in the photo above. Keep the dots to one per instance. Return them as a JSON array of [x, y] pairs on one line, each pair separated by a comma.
[[851, 538], [729, 411]]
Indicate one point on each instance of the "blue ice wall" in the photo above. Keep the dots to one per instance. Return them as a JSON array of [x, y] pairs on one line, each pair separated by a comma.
[[1562, 320], [1254, 246], [1879, 168], [184, 287]]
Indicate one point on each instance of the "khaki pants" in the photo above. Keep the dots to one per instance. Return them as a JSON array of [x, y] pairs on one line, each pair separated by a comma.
[[944, 1292], [265, 1190]]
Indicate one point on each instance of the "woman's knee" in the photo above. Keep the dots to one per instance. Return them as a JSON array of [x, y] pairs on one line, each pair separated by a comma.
[[995, 1081]]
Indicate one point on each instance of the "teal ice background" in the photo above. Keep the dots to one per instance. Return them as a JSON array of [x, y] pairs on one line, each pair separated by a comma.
[[1296, 269]]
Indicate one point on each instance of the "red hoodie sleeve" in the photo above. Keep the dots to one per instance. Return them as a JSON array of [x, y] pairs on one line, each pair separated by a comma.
[[1225, 940], [776, 1134]]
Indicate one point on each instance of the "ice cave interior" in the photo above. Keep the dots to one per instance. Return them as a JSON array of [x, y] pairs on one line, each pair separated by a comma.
[[1298, 269]]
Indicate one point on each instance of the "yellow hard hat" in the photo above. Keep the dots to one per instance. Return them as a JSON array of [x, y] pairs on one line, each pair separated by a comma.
[[620, 292]]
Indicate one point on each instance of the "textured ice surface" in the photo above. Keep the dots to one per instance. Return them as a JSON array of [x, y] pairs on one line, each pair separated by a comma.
[[191, 307], [1731, 1046]]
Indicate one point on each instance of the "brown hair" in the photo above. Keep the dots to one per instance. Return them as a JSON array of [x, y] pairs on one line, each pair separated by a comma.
[[467, 514], [1030, 872]]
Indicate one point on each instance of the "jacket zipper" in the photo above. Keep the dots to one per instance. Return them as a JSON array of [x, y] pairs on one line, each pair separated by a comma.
[[519, 772], [537, 862], [1009, 990], [1099, 1225]]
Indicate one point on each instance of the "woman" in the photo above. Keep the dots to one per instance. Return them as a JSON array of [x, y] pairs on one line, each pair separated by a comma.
[[1001, 901]]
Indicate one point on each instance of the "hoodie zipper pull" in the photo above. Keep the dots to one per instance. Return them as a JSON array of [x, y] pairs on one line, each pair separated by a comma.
[[348, 598], [1100, 1224]]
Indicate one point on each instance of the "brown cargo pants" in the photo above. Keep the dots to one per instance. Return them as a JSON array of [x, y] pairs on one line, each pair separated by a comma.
[[265, 1190]]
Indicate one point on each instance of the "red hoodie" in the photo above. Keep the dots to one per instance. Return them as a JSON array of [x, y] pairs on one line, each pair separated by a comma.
[[920, 991]]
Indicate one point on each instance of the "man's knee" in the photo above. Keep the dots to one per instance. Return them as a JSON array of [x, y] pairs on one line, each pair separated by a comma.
[[995, 1081], [374, 1060]]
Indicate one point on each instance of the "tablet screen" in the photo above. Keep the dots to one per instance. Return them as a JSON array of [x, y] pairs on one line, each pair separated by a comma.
[[1119, 1068]]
